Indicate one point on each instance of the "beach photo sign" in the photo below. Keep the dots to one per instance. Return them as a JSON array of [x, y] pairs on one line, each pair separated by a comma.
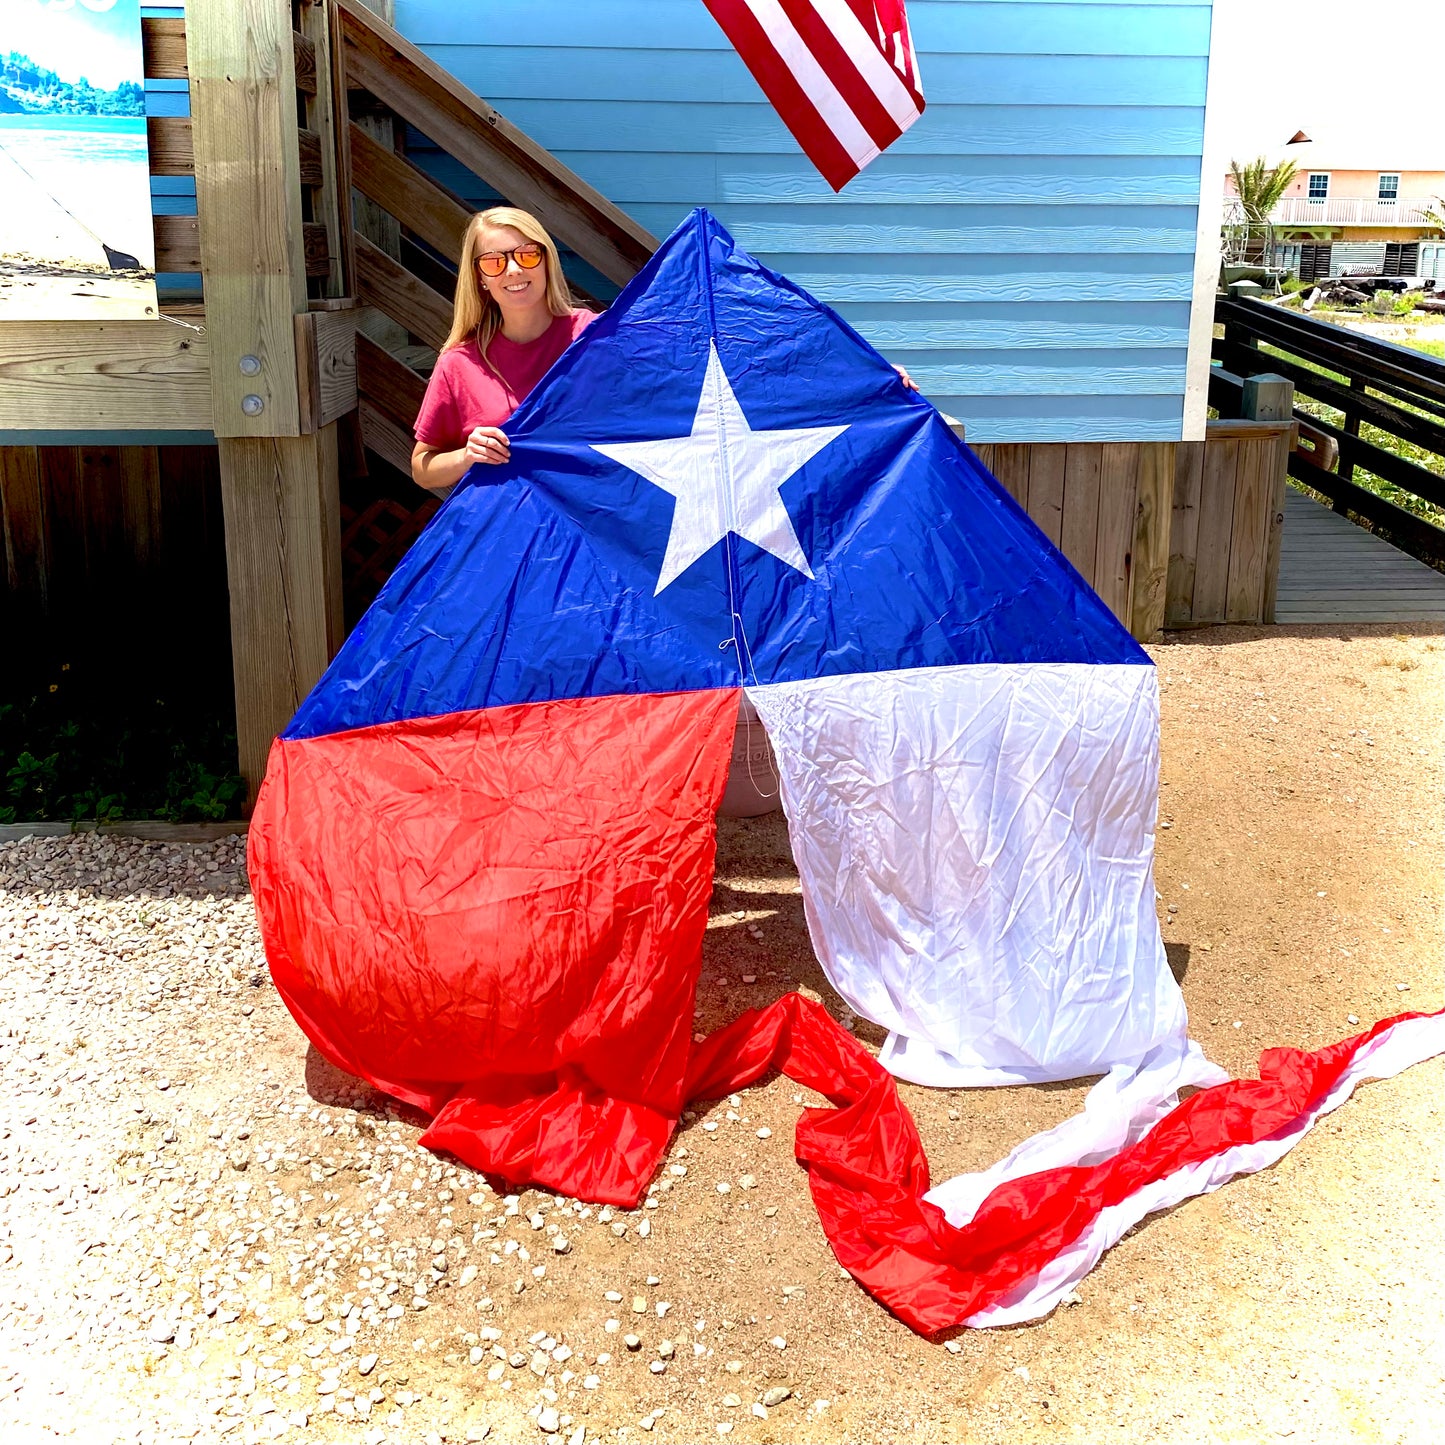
[[75, 225]]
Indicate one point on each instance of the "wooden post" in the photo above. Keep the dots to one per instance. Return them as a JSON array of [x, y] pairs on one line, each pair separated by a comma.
[[279, 485], [1271, 398], [1267, 397]]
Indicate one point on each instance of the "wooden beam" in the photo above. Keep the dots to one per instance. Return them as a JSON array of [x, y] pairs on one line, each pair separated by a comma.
[[179, 248], [163, 45], [172, 152], [316, 248], [389, 441], [318, 146], [326, 354], [77, 375], [248, 192], [305, 62], [429, 210], [163, 48], [311, 167], [283, 562], [386, 284], [389, 385], [1236, 429], [416, 88], [178, 243]]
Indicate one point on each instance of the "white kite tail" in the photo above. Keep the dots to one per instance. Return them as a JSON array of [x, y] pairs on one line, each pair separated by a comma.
[[1123, 1107]]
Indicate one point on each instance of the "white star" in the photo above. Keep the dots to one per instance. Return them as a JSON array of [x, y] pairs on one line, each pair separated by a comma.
[[725, 477]]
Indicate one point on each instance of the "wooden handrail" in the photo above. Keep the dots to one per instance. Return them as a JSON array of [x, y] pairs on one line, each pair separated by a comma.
[[398, 74], [1400, 391]]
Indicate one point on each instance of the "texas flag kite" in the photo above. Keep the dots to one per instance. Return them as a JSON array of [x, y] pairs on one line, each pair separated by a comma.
[[483, 853]]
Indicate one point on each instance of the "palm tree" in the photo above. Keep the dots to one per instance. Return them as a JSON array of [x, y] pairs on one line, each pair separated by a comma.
[[1259, 187]]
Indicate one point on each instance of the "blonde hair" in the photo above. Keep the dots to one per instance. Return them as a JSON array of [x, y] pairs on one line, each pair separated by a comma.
[[475, 313]]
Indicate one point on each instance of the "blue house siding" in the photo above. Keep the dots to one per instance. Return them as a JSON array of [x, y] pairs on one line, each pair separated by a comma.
[[1026, 249]]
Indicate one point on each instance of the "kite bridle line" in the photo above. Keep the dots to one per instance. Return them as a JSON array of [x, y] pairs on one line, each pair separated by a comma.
[[740, 635]]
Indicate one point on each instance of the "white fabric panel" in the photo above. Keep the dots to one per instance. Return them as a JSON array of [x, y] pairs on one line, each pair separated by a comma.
[[976, 847], [1389, 1053]]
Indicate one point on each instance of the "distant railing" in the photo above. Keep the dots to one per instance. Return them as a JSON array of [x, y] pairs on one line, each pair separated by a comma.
[[1339, 211], [1371, 383]]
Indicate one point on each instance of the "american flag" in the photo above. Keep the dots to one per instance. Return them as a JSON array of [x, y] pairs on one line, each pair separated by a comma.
[[842, 74]]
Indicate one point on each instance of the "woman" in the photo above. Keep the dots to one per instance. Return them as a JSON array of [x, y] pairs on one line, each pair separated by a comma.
[[511, 320]]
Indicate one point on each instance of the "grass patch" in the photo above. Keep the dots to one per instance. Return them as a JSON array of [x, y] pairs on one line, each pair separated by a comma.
[[96, 738]]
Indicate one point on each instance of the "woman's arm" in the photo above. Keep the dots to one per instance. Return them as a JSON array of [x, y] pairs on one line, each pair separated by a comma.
[[438, 470]]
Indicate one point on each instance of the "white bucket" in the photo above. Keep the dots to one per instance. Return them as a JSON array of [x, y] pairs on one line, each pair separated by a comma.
[[753, 777]]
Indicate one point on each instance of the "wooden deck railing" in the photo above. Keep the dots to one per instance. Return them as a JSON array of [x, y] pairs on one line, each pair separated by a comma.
[[1399, 391]]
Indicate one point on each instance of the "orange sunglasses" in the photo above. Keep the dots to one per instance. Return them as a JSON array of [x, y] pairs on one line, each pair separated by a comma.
[[493, 263]]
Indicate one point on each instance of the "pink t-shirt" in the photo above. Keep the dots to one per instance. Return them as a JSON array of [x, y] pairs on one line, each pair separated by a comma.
[[464, 392]]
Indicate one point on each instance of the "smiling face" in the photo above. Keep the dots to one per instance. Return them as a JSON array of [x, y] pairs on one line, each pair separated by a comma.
[[516, 290]]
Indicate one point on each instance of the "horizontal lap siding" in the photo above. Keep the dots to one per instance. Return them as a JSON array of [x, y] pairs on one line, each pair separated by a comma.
[[1026, 249]]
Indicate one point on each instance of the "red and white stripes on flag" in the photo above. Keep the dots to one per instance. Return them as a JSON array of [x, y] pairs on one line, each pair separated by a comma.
[[842, 74]]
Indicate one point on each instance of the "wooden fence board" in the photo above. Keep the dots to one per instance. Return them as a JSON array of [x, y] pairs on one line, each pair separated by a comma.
[[141, 504], [64, 511], [1079, 530], [1216, 525], [1151, 538], [1183, 533], [107, 552], [1249, 531], [1011, 467], [1118, 508], [1046, 488], [22, 516], [1278, 482]]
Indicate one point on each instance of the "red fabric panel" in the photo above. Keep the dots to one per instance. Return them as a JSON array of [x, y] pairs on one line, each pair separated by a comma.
[[504, 905], [868, 1173]]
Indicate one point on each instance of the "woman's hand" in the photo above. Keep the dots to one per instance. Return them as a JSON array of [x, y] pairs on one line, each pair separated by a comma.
[[904, 377], [488, 444]]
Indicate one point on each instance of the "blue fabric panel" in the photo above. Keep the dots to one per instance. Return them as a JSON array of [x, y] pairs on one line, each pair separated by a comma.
[[535, 581]]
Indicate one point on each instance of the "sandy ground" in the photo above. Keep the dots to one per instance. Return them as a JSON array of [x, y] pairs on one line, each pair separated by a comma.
[[33, 290], [204, 1233]]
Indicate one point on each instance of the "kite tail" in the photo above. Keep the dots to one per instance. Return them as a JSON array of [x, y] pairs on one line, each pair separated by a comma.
[[1033, 1237]]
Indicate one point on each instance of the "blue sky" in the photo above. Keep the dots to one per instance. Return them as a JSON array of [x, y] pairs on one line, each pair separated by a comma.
[[97, 39]]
